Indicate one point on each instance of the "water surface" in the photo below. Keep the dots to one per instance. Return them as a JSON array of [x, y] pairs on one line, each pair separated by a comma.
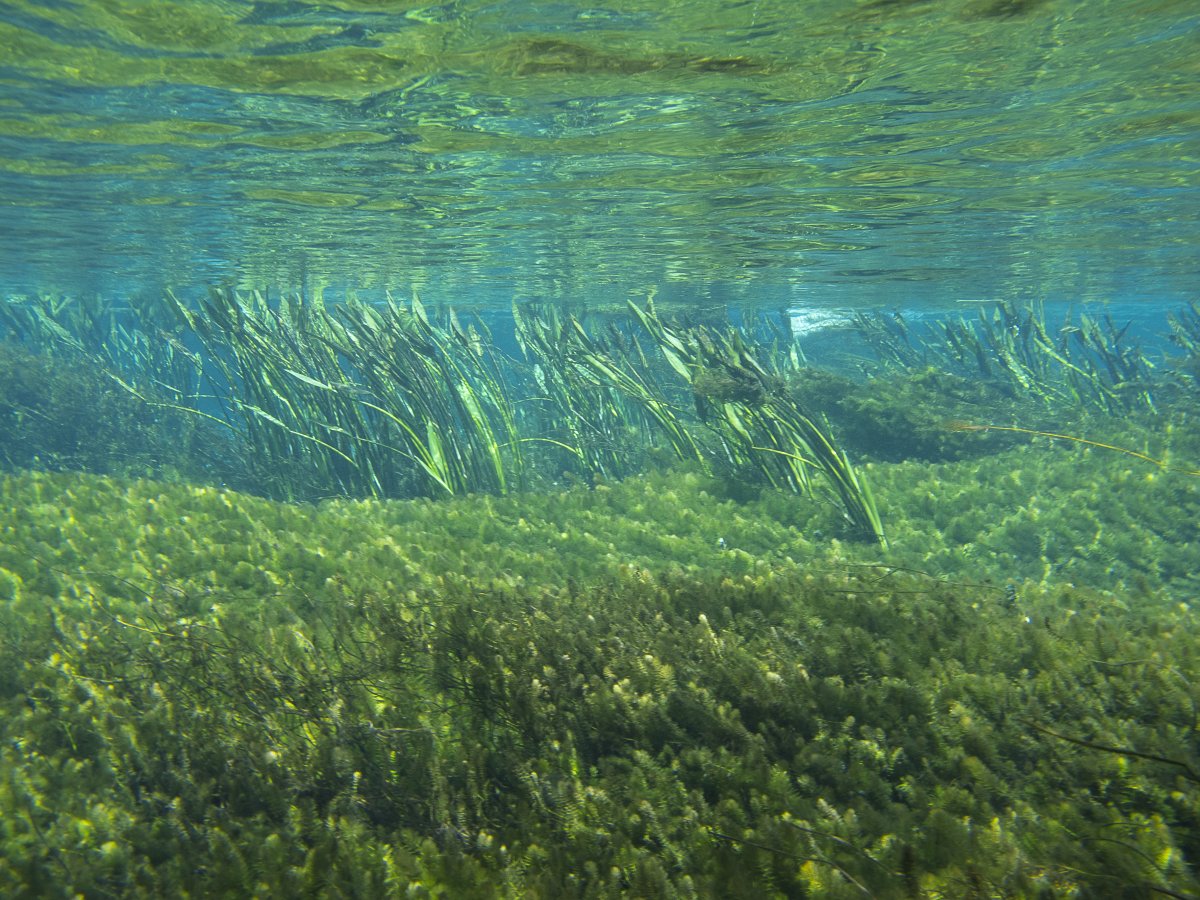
[[845, 153]]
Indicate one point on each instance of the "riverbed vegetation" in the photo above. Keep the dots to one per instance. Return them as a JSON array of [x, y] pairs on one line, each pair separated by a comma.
[[700, 679]]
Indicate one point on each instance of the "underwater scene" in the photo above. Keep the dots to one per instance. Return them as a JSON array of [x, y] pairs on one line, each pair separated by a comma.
[[723, 449]]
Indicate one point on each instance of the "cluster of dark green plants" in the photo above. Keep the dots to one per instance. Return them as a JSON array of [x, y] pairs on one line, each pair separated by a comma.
[[68, 414], [1088, 365], [349, 401], [1185, 328], [299, 400], [598, 395], [365, 401], [904, 416], [1185, 335], [208, 694]]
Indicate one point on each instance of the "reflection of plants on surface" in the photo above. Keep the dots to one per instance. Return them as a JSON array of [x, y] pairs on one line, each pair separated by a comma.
[[471, 698]]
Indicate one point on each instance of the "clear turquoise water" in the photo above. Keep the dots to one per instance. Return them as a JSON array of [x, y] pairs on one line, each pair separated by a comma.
[[827, 153], [985, 682]]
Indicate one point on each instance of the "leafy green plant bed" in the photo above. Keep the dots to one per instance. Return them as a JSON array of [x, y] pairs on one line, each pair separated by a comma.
[[644, 689]]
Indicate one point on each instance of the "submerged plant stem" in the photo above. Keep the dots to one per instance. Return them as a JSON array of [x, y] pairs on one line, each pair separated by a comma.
[[1161, 463]]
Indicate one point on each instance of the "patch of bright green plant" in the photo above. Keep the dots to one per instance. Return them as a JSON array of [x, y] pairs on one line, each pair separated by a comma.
[[642, 689]]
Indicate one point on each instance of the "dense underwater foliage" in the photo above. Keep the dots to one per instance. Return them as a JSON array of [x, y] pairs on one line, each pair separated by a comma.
[[723, 592], [677, 684], [581, 695]]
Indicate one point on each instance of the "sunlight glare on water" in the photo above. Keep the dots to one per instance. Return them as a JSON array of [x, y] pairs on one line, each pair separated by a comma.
[[852, 153]]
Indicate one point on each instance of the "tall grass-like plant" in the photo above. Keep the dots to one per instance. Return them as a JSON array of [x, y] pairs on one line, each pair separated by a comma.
[[140, 345], [582, 416], [346, 400], [439, 393], [383, 400], [760, 425], [599, 396], [1091, 364], [271, 375], [376, 402]]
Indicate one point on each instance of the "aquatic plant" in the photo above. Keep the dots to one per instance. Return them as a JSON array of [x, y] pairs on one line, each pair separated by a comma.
[[360, 401], [903, 416], [759, 422], [598, 399], [59, 414], [207, 691], [390, 400], [1089, 365], [758, 427], [138, 344], [1016, 429]]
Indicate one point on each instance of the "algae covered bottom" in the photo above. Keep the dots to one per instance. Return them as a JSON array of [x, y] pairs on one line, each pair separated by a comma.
[[701, 670], [583, 694]]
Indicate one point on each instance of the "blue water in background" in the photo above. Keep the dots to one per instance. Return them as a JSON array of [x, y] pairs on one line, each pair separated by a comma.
[[832, 155]]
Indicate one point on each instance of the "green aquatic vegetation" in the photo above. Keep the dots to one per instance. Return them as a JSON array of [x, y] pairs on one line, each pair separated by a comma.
[[1048, 512], [761, 425], [363, 402], [590, 697], [138, 343], [904, 415], [66, 413], [571, 410], [1091, 364], [444, 382], [638, 687], [1161, 463], [604, 391], [1185, 333], [386, 401], [592, 385], [265, 371]]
